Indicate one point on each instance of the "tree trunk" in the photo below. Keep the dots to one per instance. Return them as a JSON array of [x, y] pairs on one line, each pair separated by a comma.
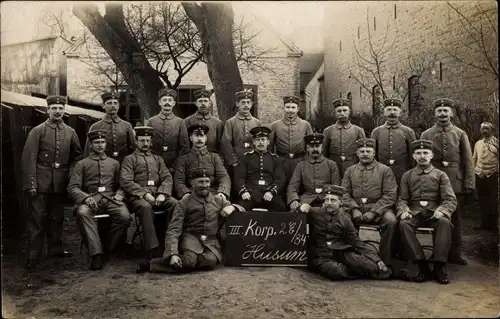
[[111, 32], [215, 21]]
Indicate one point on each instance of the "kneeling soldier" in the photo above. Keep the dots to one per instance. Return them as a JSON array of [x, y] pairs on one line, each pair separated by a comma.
[[335, 249], [148, 183], [93, 186], [260, 177], [191, 240], [426, 199]]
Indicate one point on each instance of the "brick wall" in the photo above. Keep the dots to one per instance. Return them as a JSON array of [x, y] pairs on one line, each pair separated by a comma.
[[420, 29]]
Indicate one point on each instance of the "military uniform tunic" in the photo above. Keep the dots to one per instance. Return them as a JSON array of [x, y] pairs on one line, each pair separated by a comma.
[[394, 147], [219, 178], [339, 144], [422, 192], [98, 176], [120, 140], [236, 139], [166, 136], [214, 135], [50, 152], [309, 178]]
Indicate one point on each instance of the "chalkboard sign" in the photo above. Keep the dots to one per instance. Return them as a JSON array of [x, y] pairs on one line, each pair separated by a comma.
[[262, 238]]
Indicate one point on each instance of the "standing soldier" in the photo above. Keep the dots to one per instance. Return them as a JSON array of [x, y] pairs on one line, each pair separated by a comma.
[[237, 140], [148, 184], [371, 195], [426, 199], [287, 136], [310, 175], [202, 116], [339, 143], [51, 150], [166, 129], [200, 156], [259, 180], [394, 140], [452, 155], [120, 137], [94, 187]]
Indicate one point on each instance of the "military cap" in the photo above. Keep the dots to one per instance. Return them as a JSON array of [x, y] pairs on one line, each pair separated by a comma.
[[55, 99], [443, 102], [393, 102], [315, 138], [143, 131], [109, 96], [198, 172], [166, 91], [291, 99], [260, 131], [202, 93], [421, 145], [341, 102], [365, 142], [96, 134], [334, 190], [198, 128], [245, 94]]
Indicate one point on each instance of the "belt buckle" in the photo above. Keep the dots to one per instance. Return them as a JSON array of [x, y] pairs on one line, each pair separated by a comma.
[[247, 145], [291, 155], [318, 190], [424, 203], [165, 148], [56, 165], [115, 154], [101, 189], [151, 183], [328, 243], [262, 182], [391, 162], [342, 158], [203, 237], [364, 200], [445, 163]]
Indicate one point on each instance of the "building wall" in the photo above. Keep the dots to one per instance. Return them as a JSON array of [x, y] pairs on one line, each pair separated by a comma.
[[313, 95], [419, 29]]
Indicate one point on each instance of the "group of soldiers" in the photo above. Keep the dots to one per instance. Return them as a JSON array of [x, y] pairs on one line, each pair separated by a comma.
[[199, 170]]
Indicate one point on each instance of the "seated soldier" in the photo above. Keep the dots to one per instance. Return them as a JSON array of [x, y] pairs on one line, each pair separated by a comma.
[[260, 177], [426, 199], [93, 186], [311, 175], [191, 241], [148, 184], [335, 249], [200, 156]]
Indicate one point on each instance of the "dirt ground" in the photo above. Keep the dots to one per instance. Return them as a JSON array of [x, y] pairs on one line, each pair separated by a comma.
[[67, 289]]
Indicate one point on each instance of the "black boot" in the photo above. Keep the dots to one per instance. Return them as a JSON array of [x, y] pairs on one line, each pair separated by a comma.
[[440, 274], [424, 273], [142, 267], [96, 262]]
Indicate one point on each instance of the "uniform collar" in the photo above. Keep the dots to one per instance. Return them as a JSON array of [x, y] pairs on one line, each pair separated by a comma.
[[261, 153], [345, 126], [201, 199], [368, 167], [53, 125], [97, 157], [108, 119], [319, 160], [241, 117], [202, 117], [201, 151], [446, 128], [389, 126], [166, 117], [139, 152], [293, 122], [425, 171]]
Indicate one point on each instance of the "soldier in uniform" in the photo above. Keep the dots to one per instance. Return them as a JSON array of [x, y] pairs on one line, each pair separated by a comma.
[[120, 137], [191, 241], [202, 116], [287, 136], [394, 140], [200, 156], [452, 155], [310, 175], [166, 129], [339, 143], [335, 250], [51, 150], [94, 188], [426, 199], [259, 179], [148, 184], [371, 195]]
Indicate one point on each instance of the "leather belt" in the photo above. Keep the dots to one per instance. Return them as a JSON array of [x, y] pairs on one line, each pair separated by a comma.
[[53, 165], [366, 200], [290, 155]]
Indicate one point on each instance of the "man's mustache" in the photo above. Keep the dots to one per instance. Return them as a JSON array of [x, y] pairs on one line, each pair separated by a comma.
[[392, 115], [315, 152]]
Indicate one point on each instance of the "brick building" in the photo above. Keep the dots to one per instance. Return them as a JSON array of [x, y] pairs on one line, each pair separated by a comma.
[[421, 30]]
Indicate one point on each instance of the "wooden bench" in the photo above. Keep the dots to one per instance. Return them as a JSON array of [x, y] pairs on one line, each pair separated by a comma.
[[139, 231]]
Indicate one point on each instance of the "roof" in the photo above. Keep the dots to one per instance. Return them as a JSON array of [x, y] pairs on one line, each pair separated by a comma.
[[26, 100]]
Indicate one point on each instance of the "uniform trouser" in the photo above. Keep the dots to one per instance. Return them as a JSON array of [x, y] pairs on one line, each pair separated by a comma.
[[190, 261], [45, 218], [388, 225], [455, 251], [345, 264], [120, 220], [487, 193], [276, 204], [145, 211], [442, 236]]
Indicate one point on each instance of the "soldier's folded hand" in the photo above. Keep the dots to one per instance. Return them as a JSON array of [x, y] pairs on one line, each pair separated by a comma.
[[118, 197], [160, 199], [356, 215], [175, 261], [294, 205], [235, 164], [228, 210], [437, 215], [32, 192], [382, 266], [221, 195], [149, 198], [90, 201], [305, 208], [268, 196], [185, 195], [405, 215], [368, 217], [245, 196]]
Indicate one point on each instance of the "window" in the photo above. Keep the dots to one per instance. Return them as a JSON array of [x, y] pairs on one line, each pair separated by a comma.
[[415, 101], [255, 89], [377, 100], [394, 82], [129, 106], [340, 45], [374, 24], [440, 71], [358, 33], [360, 91], [185, 105], [340, 94], [349, 96], [395, 13]]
